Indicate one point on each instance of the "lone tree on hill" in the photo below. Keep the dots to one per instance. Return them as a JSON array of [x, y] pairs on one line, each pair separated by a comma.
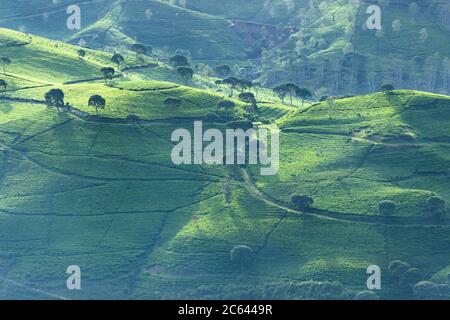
[[226, 108], [386, 207], [5, 62], [81, 53], [172, 102], [232, 83], [387, 88], [55, 98], [117, 59], [248, 97], [179, 61], [242, 255], [98, 102], [225, 104], [302, 202], [186, 73], [108, 73], [3, 84]]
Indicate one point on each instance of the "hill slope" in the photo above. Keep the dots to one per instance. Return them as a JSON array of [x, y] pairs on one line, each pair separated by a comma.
[[102, 192]]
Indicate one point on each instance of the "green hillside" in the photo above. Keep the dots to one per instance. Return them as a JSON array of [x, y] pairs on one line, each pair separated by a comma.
[[166, 26], [101, 192]]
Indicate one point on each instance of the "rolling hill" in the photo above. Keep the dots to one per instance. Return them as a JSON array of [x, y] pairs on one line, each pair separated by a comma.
[[101, 192]]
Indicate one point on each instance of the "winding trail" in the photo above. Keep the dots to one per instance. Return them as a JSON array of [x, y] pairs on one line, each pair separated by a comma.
[[345, 217]]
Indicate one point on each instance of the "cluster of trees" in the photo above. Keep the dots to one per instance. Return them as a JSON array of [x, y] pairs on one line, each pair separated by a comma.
[[235, 83], [436, 207], [292, 90], [182, 67], [55, 98]]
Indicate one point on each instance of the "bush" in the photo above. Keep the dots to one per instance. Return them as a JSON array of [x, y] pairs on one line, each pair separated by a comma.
[[386, 207], [242, 255], [367, 295], [302, 202]]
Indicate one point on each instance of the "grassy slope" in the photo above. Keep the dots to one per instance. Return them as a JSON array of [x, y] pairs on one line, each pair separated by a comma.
[[106, 196], [365, 150], [160, 24]]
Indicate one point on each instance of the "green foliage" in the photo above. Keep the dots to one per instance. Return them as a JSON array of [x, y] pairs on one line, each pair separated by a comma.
[[81, 53], [108, 73], [179, 61], [186, 73], [117, 59], [302, 202], [97, 101], [3, 84], [248, 97], [55, 98]]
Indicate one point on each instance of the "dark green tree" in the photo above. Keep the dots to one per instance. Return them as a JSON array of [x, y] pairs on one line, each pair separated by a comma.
[[302, 202], [248, 97], [108, 73], [387, 88], [117, 59], [179, 61], [232, 83], [55, 98], [303, 94], [5, 62], [186, 73], [81, 53], [98, 102], [3, 84], [281, 91]]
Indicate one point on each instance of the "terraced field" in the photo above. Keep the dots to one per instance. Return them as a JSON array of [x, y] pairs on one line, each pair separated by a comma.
[[101, 192]]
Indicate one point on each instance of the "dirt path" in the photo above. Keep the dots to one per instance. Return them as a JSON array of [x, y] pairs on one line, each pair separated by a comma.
[[347, 217]]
